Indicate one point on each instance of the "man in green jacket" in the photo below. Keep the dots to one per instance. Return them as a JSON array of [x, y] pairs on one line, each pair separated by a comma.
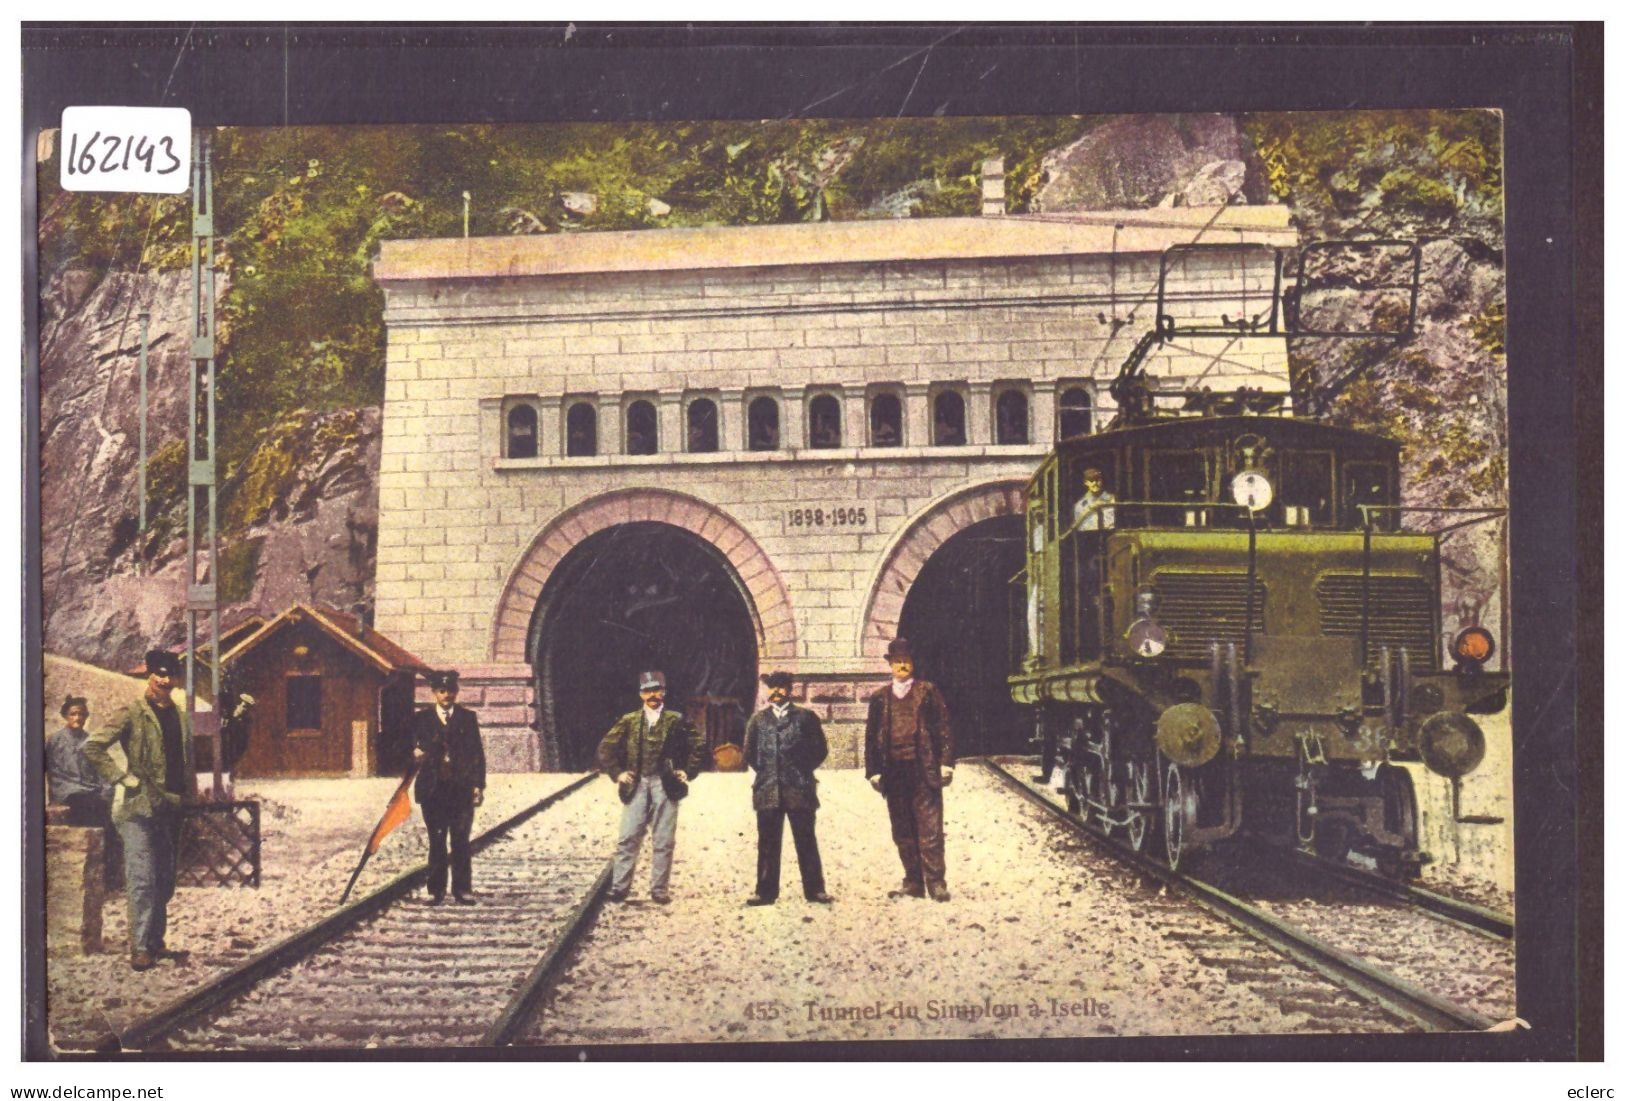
[[650, 753], [147, 798]]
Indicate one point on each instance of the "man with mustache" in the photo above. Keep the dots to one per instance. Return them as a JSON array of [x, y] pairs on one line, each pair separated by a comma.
[[783, 745]]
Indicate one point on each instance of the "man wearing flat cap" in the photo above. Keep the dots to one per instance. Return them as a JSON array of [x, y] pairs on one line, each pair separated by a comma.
[[450, 784], [73, 783], [159, 777], [908, 755], [783, 745], [650, 753]]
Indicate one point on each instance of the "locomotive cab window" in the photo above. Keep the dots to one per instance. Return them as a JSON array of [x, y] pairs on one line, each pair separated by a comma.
[[1306, 489], [1367, 484], [1179, 477]]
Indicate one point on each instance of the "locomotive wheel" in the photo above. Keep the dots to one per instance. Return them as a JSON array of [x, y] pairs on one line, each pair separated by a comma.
[[1139, 791], [1398, 802], [1178, 814]]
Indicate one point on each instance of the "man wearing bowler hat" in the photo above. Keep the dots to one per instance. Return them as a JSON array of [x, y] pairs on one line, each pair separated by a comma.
[[783, 745], [650, 753], [908, 755], [148, 792], [450, 784]]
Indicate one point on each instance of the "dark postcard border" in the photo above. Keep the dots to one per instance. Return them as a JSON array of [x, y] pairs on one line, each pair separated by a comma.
[[1546, 79]]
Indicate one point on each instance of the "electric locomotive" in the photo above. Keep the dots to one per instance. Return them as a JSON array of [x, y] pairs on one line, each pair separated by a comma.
[[1229, 623]]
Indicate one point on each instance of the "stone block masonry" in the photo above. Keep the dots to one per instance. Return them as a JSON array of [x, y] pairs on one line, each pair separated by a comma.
[[824, 529]]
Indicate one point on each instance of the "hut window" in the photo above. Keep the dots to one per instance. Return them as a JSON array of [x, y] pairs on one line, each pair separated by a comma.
[[763, 423], [1077, 416], [642, 429], [949, 430], [304, 703], [885, 421], [581, 429], [824, 422], [1010, 417], [702, 425], [522, 432]]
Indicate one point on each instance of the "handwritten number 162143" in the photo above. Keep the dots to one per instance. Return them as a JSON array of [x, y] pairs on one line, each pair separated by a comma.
[[119, 151]]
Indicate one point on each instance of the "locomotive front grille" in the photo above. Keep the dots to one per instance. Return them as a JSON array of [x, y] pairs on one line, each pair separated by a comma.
[[1198, 609], [1401, 614]]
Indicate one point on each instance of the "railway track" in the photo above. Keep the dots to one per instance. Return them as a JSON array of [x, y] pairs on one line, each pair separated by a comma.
[[1401, 998], [390, 970]]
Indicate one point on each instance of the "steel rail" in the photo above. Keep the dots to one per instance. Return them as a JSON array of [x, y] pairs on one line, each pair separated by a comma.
[[521, 1008], [1478, 919], [214, 993], [1403, 1000]]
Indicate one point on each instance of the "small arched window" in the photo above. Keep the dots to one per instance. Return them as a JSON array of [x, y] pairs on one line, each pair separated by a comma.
[[763, 424], [885, 421], [949, 417], [702, 425], [824, 422], [642, 429], [522, 431], [1077, 414], [1010, 417], [581, 429]]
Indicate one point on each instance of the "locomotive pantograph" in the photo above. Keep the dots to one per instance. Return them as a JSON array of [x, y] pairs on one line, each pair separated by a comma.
[[1229, 623]]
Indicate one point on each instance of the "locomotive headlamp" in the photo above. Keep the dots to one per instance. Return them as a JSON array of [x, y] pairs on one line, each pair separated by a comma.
[[1474, 646], [1252, 489], [1146, 639]]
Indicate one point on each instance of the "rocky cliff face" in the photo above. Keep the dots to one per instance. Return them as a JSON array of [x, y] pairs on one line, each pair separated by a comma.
[[1148, 161], [298, 517]]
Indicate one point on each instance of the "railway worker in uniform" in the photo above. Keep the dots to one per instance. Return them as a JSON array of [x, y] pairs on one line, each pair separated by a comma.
[[74, 784], [650, 753], [783, 745], [450, 784], [908, 755], [149, 790], [1093, 511]]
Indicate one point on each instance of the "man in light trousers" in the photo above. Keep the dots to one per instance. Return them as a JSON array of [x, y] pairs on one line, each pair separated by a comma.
[[650, 753]]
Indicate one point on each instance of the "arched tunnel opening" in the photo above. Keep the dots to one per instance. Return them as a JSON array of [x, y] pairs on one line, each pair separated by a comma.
[[956, 618], [632, 598]]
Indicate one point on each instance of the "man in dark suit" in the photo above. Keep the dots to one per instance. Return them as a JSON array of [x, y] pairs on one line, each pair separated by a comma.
[[650, 753], [451, 783], [783, 745], [908, 755]]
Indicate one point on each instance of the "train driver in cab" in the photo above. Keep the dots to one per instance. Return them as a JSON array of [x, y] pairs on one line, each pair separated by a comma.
[[1093, 512]]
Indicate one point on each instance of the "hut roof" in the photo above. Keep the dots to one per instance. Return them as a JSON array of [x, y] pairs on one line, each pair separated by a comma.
[[376, 649]]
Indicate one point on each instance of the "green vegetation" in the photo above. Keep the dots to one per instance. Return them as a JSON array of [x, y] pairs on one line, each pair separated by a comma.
[[301, 213]]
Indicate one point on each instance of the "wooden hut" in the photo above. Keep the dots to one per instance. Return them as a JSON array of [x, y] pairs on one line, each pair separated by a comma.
[[332, 697]]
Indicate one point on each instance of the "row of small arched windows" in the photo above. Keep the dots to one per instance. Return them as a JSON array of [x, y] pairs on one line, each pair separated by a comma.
[[1075, 415]]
